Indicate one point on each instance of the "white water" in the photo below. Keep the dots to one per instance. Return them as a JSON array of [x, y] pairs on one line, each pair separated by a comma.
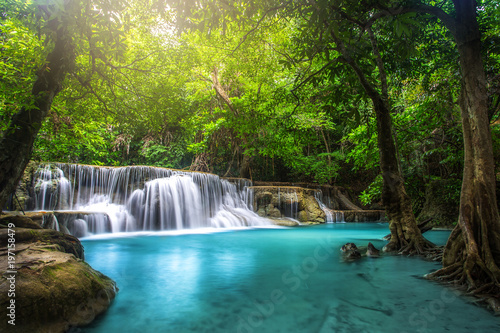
[[328, 213], [339, 216], [129, 199]]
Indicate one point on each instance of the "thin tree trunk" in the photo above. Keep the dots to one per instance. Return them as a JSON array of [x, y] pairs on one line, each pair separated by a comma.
[[16, 144], [405, 234], [244, 166]]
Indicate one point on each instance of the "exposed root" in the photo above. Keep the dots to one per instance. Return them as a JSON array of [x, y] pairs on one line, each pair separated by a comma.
[[474, 278], [421, 247]]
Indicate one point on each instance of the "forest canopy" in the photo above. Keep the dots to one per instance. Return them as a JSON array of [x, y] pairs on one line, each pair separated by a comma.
[[255, 89]]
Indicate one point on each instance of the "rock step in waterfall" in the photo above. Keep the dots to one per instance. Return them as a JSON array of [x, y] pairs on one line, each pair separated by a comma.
[[90, 199], [83, 200], [313, 204]]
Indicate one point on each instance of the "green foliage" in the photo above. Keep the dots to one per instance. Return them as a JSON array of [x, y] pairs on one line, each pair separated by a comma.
[[142, 90], [22, 54], [165, 156], [373, 193]]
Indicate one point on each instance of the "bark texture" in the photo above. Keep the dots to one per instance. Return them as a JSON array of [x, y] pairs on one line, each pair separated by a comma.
[[472, 255], [16, 143]]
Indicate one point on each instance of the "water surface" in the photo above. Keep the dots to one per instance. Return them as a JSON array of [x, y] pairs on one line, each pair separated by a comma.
[[274, 280]]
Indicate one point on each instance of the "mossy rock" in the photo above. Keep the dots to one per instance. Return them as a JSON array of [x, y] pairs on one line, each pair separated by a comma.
[[66, 243], [313, 210], [280, 197], [284, 222], [19, 221], [54, 288]]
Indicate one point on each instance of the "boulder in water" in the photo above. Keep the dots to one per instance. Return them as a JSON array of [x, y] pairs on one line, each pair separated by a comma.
[[371, 251], [350, 251], [53, 289]]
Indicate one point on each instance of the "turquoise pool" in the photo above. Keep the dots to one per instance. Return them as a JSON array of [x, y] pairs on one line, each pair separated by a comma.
[[274, 280]]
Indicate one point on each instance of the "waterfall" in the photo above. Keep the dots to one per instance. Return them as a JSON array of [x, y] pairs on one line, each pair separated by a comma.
[[339, 216], [105, 199], [51, 188], [329, 218], [288, 202]]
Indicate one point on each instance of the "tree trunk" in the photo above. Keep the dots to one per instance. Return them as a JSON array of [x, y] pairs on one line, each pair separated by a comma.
[[472, 253], [405, 235], [16, 144], [245, 166]]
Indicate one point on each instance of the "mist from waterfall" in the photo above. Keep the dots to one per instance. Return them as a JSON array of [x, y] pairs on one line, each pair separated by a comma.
[[140, 198]]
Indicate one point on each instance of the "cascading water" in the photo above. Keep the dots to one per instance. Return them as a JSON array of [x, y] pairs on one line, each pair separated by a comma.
[[288, 202], [140, 198], [329, 218], [51, 188], [339, 216]]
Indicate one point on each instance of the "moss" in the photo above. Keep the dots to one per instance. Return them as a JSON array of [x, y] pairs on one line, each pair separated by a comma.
[[58, 289], [19, 222]]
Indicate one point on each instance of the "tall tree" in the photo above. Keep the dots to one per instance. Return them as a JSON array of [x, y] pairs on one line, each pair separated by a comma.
[[322, 24], [69, 27], [17, 140], [472, 253], [405, 234]]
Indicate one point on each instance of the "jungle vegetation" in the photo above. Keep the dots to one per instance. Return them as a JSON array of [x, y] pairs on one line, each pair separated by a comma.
[[385, 97]]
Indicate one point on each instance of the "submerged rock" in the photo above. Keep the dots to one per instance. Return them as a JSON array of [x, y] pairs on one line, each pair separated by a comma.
[[350, 251], [371, 251], [51, 287]]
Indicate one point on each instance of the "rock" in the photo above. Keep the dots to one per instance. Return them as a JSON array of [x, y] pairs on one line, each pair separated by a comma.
[[349, 247], [295, 202], [263, 198], [54, 288], [303, 216], [350, 251], [285, 223], [262, 212], [313, 210], [19, 221], [371, 251], [274, 212]]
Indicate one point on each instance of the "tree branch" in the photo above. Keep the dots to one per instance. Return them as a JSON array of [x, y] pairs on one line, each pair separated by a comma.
[[447, 19], [244, 38]]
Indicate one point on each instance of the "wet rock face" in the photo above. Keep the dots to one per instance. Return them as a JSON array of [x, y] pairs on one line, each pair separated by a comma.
[[295, 202], [54, 288]]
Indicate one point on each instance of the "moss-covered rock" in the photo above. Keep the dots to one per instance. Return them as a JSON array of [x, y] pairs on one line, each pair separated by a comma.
[[295, 202], [19, 222], [312, 209], [285, 222], [54, 288]]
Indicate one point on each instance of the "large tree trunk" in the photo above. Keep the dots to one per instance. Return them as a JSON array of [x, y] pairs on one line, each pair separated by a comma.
[[472, 254], [16, 143]]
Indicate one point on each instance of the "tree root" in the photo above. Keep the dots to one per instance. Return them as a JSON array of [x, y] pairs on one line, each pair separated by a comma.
[[421, 247], [474, 279]]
